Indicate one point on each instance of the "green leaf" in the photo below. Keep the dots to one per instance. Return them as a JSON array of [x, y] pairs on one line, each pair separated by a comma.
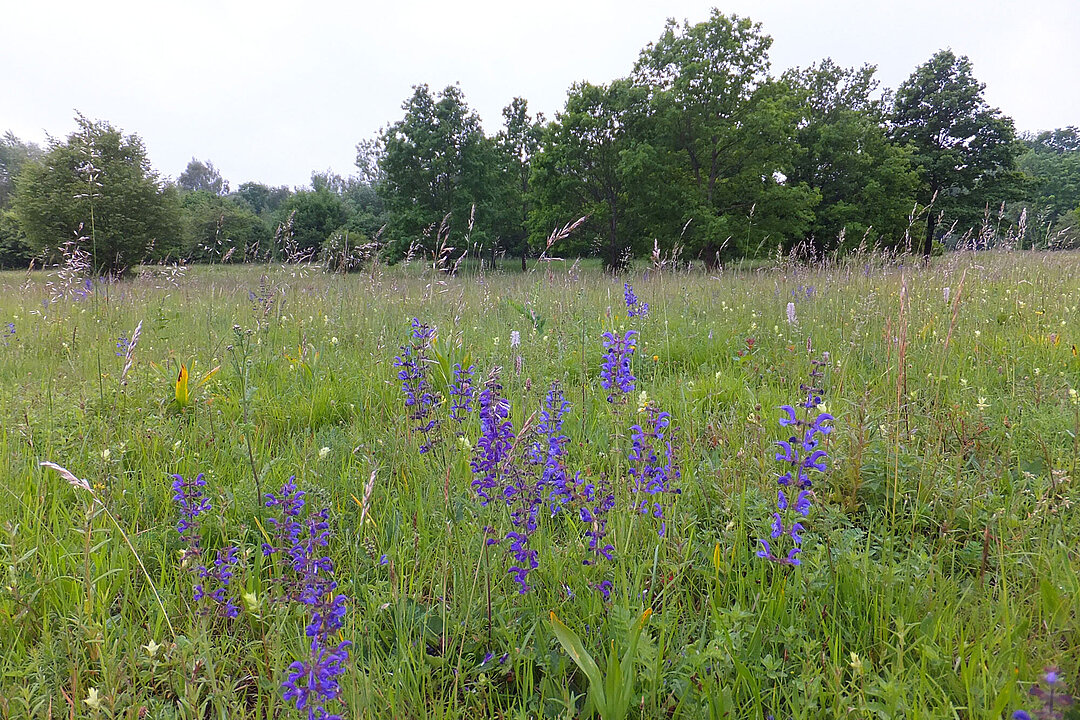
[[572, 645]]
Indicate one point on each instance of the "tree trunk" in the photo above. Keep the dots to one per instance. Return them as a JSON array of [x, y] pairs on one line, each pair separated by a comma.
[[613, 244], [928, 243]]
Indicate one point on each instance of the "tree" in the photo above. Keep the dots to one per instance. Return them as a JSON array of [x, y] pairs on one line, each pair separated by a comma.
[[731, 128], [217, 229], [1051, 161], [14, 154], [587, 166], [369, 160], [518, 143], [437, 164], [866, 183], [263, 200], [364, 208], [99, 185], [202, 176], [14, 249], [964, 148], [310, 217]]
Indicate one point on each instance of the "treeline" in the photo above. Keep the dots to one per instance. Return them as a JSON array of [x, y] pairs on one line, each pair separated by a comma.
[[699, 151]]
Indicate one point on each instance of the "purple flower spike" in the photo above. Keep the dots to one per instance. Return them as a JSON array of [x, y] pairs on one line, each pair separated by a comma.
[[654, 471], [633, 307], [308, 580], [462, 392], [804, 420], [419, 398], [496, 439], [615, 374]]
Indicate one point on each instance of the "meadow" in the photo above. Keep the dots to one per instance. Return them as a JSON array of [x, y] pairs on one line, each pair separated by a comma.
[[528, 550]]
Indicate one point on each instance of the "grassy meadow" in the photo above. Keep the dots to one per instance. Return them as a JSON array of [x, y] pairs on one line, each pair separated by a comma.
[[940, 564]]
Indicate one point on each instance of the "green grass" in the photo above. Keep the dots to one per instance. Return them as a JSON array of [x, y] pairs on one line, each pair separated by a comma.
[[941, 569]]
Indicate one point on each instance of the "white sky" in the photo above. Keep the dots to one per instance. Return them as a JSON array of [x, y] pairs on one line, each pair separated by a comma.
[[271, 91]]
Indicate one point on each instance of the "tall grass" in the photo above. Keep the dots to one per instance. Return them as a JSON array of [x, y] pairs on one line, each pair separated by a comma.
[[940, 566]]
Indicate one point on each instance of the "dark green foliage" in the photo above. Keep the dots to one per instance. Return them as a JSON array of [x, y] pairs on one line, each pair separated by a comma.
[[365, 209], [731, 128], [310, 216], [14, 155], [517, 144], [867, 184], [99, 185], [14, 250], [263, 200], [586, 168], [217, 229], [1051, 160], [964, 148], [437, 165]]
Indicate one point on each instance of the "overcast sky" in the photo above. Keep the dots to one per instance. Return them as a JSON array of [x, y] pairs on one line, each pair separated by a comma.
[[271, 91]]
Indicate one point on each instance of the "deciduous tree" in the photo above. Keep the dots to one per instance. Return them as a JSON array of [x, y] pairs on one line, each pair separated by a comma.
[[732, 129], [866, 183], [585, 167], [964, 148], [98, 184], [436, 163], [199, 175]]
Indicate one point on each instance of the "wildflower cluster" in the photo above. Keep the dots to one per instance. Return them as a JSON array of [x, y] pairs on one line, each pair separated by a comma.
[[615, 374], [532, 477], [496, 438], [633, 307], [189, 496], [549, 449], [123, 344], [524, 490], [802, 454], [7, 333], [1054, 699], [414, 382], [523, 496], [286, 528], [653, 469], [309, 580], [597, 500], [462, 392], [220, 574]]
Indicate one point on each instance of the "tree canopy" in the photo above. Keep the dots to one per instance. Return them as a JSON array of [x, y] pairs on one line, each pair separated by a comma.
[[866, 183], [202, 176], [437, 166], [963, 148], [97, 188]]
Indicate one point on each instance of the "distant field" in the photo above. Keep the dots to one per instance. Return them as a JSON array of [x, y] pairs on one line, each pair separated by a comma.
[[940, 560]]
